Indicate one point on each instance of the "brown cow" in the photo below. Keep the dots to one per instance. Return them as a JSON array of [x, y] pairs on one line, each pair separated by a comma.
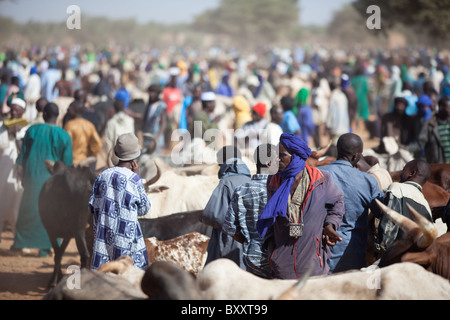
[[314, 159], [419, 244]]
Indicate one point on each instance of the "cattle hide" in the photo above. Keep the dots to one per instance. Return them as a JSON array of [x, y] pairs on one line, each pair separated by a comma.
[[223, 279], [167, 281], [401, 281], [123, 266], [94, 285], [174, 225], [173, 193], [187, 251]]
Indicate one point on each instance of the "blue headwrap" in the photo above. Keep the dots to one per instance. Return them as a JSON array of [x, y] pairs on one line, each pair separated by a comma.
[[345, 81], [123, 95], [277, 205], [33, 70]]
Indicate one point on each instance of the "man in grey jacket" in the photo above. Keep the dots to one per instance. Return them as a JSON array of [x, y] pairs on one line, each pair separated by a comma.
[[434, 137]]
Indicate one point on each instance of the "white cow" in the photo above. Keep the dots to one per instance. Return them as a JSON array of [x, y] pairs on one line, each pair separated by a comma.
[[173, 193], [223, 279]]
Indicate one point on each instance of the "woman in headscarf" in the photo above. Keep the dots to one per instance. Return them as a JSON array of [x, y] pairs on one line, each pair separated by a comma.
[[303, 204]]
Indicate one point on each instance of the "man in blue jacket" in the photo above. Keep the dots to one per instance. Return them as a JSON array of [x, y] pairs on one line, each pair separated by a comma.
[[360, 190]]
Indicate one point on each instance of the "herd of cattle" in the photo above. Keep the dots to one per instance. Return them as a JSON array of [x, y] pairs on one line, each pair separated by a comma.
[[415, 267]]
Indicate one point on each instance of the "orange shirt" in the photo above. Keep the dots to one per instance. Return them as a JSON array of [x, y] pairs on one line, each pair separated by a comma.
[[85, 140]]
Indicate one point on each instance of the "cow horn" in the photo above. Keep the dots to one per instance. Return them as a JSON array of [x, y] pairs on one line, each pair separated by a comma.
[[49, 164], [87, 162], [403, 222], [428, 228], [321, 152], [155, 178], [115, 267]]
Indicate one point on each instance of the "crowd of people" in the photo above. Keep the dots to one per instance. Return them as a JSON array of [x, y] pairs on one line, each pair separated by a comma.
[[70, 104]]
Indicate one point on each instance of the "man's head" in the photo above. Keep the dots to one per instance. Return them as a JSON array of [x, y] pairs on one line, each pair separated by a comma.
[[400, 105], [418, 171], [17, 108], [126, 148], [15, 81], [291, 146], [80, 95], [50, 112], [197, 92], [124, 96], [350, 148], [287, 103], [258, 111], [41, 103], [276, 113], [208, 99], [265, 157], [76, 108], [154, 91], [424, 103], [444, 108]]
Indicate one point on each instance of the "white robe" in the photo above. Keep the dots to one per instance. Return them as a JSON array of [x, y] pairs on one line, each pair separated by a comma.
[[10, 185]]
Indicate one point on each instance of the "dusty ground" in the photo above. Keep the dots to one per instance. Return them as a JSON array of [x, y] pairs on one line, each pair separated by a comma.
[[25, 277]]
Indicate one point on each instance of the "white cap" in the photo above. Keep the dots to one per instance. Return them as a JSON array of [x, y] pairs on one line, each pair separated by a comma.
[[174, 71], [253, 81], [19, 102], [208, 96]]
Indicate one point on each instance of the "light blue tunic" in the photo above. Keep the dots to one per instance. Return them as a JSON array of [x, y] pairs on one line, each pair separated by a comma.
[[360, 190]]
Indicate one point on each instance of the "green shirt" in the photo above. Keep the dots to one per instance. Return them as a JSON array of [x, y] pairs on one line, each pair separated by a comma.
[[41, 142]]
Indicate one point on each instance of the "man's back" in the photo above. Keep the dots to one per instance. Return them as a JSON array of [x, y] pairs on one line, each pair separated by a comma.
[[246, 204], [44, 142], [360, 189], [85, 140], [397, 196], [232, 174], [119, 124]]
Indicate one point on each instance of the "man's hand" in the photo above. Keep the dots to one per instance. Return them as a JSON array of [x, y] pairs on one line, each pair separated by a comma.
[[330, 235]]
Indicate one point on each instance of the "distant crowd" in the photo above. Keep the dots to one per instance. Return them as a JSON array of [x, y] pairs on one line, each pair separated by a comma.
[[313, 94]]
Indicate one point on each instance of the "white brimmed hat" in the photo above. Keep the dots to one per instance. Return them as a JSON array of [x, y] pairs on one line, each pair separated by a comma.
[[127, 148]]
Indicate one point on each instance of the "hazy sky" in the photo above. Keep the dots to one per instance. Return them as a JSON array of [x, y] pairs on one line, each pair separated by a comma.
[[317, 12]]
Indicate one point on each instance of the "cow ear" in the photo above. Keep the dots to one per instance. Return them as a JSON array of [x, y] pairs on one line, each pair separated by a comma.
[[423, 258]]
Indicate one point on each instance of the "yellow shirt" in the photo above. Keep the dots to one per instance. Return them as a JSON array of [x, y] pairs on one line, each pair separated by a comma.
[[85, 140]]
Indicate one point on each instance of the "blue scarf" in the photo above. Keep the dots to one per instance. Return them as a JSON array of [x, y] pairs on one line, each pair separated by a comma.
[[277, 205]]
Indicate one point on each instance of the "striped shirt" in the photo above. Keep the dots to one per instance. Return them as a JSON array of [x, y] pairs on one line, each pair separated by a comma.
[[245, 207], [396, 197], [444, 134]]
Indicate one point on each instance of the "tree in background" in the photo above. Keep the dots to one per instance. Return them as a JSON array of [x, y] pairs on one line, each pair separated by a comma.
[[430, 16], [256, 21]]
